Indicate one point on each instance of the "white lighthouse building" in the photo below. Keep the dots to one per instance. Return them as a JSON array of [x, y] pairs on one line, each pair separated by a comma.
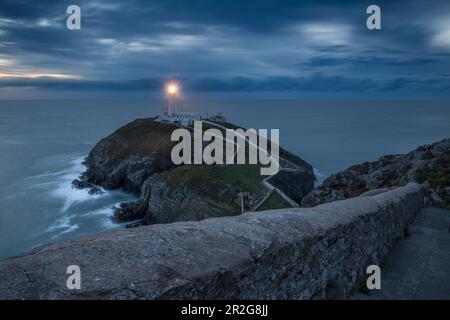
[[171, 114]]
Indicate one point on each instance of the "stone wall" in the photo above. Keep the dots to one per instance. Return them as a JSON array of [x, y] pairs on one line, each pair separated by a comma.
[[300, 253]]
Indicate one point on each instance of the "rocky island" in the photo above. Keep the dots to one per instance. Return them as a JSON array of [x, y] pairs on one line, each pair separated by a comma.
[[136, 158]]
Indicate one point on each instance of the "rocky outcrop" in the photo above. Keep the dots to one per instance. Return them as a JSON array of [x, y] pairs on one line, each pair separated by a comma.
[[136, 158], [428, 163], [164, 201], [131, 154], [301, 253]]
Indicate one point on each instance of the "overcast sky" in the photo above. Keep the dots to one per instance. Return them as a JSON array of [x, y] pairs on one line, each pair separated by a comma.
[[253, 48]]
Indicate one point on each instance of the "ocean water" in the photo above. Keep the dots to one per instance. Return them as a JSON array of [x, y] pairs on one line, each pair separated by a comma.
[[43, 143]]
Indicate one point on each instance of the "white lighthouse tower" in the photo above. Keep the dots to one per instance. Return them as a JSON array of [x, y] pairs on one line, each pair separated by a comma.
[[172, 92]]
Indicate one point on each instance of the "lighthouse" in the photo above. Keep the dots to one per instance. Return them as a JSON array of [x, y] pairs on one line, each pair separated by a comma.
[[171, 114], [172, 92]]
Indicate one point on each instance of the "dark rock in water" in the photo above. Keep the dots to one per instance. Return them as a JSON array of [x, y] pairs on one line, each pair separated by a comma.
[[82, 184], [95, 190], [129, 211], [428, 163], [137, 158]]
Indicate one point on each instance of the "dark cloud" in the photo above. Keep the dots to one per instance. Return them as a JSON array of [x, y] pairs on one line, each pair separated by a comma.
[[370, 61], [314, 83], [226, 46]]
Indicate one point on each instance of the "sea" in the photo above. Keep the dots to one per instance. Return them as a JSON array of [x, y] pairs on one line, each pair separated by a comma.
[[43, 144]]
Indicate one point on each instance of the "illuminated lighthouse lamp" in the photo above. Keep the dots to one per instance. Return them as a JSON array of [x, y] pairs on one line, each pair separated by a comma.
[[172, 89], [171, 113]]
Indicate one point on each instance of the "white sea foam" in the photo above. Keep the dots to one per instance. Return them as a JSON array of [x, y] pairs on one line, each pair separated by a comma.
[[70, 228], [67, 192], [105, 213], [77, 212], [45, 175], [93, 214], [320, 177], [62, 226]]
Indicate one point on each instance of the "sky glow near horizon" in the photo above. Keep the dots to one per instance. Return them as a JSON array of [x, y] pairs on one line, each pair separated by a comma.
[[297, 48]]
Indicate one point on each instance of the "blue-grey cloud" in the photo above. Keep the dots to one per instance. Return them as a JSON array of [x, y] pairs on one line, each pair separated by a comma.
[[315, 83], [226, 46]]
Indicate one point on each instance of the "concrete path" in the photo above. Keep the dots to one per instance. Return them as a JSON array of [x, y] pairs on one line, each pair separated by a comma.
[[419, 266]]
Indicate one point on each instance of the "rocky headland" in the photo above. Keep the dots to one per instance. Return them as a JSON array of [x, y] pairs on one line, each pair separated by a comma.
[[136, 158], [428, 164]]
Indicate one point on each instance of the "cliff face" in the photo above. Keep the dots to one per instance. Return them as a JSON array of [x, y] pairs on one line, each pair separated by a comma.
[[193, 192], [429, 163], [131, 154], [137, 158]]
